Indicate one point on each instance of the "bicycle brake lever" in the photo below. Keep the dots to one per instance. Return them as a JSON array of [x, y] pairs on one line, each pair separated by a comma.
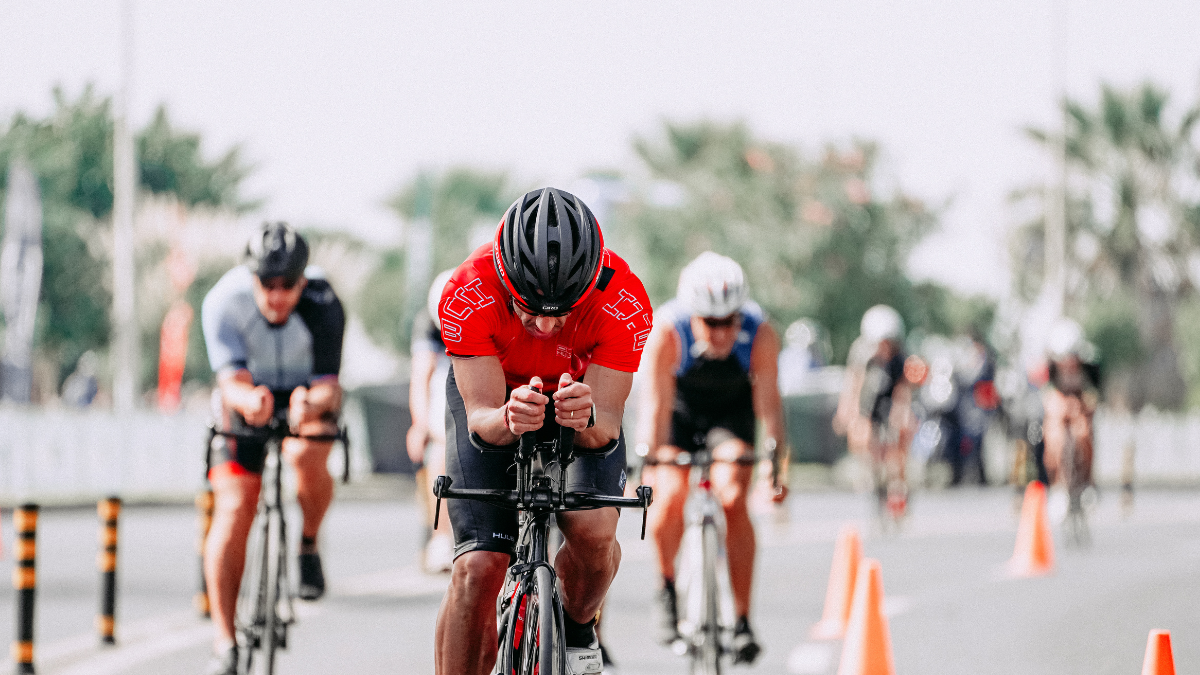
[[440, 484], [646, 493]]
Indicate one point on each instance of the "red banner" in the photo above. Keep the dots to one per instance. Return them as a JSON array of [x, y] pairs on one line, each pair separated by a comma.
[[172, 354]]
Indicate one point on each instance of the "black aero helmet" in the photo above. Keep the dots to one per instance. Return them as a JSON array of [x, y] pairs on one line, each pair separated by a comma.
[[547, 250], [277, 250]]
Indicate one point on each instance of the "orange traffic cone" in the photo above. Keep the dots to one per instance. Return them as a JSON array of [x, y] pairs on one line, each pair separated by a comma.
[[1158, 654], [1034, 554], [868, 647], [842, 576]]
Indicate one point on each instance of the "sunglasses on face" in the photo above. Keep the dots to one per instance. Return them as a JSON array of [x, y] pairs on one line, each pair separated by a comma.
[[721, 321], [525, 310], [279, 283]]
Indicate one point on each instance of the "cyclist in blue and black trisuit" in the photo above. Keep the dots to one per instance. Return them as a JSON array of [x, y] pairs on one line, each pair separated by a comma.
[[712, 366], [273, 330]]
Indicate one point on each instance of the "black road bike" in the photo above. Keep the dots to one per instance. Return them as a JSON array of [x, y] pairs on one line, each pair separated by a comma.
[[265, 599], [529, 608]]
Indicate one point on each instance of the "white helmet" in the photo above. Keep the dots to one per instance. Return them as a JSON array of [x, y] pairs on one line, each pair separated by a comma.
[[712, 285], [882, 323], [1066, 338], [435, 295]]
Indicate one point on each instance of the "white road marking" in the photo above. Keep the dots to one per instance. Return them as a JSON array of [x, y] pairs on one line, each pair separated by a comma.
[[148, 639], [810, 658]]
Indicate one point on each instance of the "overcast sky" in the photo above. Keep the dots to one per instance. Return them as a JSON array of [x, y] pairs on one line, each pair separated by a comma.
[[339, 103]]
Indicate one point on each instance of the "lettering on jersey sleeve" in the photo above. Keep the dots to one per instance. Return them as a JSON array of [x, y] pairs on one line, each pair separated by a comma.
[[639, 339], [451, 332], [624, 307], [466, 300]]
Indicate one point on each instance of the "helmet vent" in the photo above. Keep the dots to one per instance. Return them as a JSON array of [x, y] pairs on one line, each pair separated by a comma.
[[552, 261]]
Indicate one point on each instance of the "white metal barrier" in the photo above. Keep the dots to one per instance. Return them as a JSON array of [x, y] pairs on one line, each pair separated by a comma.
[[64, 455], [1165, 447]]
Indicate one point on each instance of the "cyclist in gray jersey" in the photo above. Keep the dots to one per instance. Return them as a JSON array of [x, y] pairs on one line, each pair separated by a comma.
[[273, 330]]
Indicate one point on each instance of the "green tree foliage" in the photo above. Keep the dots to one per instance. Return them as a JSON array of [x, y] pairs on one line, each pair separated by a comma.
[[459, 205], [1133, 229], [815, 235], [71, 152]]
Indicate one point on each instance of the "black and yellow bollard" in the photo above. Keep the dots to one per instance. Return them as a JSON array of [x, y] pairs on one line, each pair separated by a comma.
[[109, 511], [204, 516], [25, 583]]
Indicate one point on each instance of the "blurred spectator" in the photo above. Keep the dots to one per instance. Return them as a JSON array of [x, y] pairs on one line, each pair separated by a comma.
[[81, 386], [976, 404], [804, 351]]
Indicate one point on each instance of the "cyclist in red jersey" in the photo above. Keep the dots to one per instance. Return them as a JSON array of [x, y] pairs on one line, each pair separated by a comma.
[[545, 305]]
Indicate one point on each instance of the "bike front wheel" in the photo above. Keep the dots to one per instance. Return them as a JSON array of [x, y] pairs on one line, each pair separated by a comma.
[[705, 645], [262, 630], [551, 649]]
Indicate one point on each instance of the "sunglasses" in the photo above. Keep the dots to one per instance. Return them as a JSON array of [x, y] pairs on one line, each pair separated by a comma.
[[279, 283], [525, 310], [721, 321]]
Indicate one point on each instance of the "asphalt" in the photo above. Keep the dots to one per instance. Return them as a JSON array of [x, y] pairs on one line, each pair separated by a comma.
[[950, 606]]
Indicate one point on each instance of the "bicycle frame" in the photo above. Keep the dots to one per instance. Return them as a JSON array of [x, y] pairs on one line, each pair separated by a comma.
[[704, 588], [265, 607], [531, 575]]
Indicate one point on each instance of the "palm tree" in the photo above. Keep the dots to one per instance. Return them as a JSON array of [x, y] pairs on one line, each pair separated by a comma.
[[1133, 226]]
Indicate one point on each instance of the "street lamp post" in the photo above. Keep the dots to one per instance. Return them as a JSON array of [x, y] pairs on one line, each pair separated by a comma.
[[124, 319], [1056, 212]]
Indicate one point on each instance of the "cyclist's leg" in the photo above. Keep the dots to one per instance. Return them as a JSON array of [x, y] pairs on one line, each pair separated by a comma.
[[1054, 432], [588, 560], [590, 555], [465, 638], [731, 485], [235, 493], [665, 521]]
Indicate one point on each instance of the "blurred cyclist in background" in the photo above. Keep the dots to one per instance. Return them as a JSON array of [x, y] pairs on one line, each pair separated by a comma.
[[426, 438], [1070, 399], [273, 328], [712, 364], [875, 408]]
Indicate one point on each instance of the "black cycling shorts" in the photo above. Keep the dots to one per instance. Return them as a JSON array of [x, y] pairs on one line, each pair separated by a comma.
[[483, 527], [246, 455], [691, 431]]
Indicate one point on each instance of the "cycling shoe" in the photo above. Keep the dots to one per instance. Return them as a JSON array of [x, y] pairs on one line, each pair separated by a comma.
[[312, 578], [745, 647]]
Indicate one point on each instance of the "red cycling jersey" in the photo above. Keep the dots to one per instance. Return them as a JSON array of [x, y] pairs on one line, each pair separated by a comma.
[[608, 328]]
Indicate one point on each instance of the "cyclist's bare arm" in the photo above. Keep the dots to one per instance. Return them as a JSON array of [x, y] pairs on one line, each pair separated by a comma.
[[659, 362], [313, 410], [481, 382], [768, 404], [423, 364], [608, 390], [847, 410], [255, 403]]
